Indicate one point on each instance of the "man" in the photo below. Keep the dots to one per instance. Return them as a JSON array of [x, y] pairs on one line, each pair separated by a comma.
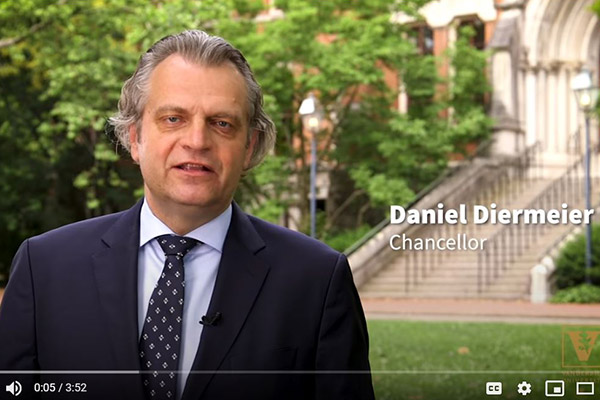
[[204, 300]]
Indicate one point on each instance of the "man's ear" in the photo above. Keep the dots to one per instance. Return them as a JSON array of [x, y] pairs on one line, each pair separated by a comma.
[[133, 143], [250, 147]]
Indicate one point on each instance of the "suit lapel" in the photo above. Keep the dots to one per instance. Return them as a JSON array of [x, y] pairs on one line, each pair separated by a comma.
[[239, 280], [115, 272]]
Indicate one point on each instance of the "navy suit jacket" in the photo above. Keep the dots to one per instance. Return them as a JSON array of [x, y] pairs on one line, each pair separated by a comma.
[[292, 325]]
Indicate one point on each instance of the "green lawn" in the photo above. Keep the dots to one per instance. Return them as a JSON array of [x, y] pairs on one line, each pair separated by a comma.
[[453, 360]]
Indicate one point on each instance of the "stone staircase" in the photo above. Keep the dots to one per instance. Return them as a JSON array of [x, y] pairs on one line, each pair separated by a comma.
[[505, 273], [454, 274]]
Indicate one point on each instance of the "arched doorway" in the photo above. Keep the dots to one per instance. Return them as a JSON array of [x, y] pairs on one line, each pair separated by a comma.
[[554, 40]]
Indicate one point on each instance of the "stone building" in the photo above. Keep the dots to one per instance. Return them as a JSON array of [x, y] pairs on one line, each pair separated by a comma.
[[536, 160], [537, 47]]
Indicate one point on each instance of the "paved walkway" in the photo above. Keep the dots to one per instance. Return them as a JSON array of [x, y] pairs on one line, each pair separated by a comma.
[[481, 310], [478, 310]]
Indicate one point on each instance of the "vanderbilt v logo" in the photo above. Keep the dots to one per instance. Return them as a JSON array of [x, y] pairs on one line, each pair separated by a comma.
[[580, 347], [583, 343]]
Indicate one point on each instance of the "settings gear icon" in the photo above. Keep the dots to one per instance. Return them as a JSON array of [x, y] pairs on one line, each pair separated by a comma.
[[524, 388]]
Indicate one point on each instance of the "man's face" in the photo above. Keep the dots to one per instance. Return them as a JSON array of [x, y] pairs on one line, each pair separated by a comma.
[[192, 147]]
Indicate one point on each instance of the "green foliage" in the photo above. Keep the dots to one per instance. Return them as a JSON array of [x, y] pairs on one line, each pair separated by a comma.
[[469, 81], [595, 7], [570, 263], [584, 293], [24, 176], [62, 65], [265, 191], [382, 190], [407, 151], [420, 78], [344, 239], [326, 48]]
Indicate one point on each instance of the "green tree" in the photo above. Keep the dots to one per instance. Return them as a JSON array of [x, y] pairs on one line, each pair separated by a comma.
[[339, 51], [405, 152], [62, 64]]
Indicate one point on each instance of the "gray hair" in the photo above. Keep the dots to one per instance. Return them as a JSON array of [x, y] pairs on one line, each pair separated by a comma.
[[200, 48]]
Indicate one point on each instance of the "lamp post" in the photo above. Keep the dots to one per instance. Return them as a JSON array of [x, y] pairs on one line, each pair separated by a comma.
[[310, 112], [586, 95]]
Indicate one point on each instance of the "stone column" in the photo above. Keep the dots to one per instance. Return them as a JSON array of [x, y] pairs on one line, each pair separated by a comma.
[[531, 106], [575, 140], [542, 106], [505, 45], [551, 95], [563, 97]]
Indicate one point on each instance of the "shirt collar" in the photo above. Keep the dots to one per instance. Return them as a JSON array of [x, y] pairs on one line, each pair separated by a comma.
[[211, 233]]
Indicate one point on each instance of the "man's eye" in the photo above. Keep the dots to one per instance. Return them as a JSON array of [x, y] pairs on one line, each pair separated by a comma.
[[223, 124], [173, 120]]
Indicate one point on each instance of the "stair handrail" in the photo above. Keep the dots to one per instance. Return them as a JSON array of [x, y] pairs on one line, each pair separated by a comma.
[[490, 262], [499, 182], [417, 266], [449, 171]]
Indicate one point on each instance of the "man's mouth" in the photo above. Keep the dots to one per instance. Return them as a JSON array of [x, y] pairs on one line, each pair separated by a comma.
[[194, 167]]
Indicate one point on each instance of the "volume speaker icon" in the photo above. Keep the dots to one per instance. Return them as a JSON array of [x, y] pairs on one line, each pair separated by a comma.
[[14, 388]]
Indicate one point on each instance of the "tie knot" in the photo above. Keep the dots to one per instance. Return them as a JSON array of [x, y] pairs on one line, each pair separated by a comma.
[[174, 245]]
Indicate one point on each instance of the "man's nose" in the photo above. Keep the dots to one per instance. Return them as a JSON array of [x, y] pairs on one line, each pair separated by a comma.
[[198, 136]]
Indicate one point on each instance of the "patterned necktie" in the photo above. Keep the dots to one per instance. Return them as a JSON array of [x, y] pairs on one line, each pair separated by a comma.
[[161, 336]]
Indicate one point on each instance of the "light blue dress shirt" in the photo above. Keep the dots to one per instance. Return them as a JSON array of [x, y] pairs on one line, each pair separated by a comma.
[[201, 265]]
